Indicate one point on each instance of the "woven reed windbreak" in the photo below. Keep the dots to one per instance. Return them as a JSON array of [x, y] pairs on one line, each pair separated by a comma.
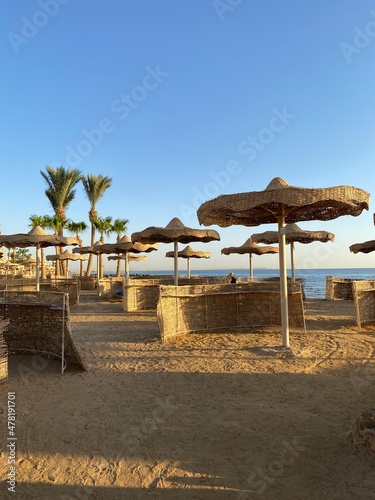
[[110, 287], [200, 308], [3, 351], [36, 322], [65, 285], [339, 288], [364, 301], [143, 294]]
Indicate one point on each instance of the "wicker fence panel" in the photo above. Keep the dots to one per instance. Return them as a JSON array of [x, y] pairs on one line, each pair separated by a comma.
[[364, 301], [202, 308], [339, 288], [3, 351], [143, 294], [36, 323]]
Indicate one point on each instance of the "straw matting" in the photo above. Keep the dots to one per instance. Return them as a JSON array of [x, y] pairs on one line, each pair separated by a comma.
[[280, 198], [200, 308], [3, 351], [293, 233], [36, 324], [364, 301], [174, 231], [366, 247]]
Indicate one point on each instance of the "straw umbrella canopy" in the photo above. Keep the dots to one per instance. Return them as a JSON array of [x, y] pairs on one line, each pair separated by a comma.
[[66, 256], [128, 257], [189, 253], [250, 247], [283, 203], [175, 232], [94, 249], [293, 233], [37, 238], [31, 262], [365, 247], [125, 246]]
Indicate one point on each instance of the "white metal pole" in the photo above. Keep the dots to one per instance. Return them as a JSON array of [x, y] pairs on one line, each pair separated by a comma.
[[251, 266], [292, 261], [37, 267], [126, 266], [188, 267], [63, 337], [175, 249], [283, 281]]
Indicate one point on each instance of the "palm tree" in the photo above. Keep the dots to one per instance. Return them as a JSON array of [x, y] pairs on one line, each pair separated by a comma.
[[43, 222], [77, 228], [119, 226], [60, 189], [57, 224], [94, 186], [104, 226]]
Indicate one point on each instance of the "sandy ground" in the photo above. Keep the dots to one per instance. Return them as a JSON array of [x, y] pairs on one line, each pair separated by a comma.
[[224, 415]]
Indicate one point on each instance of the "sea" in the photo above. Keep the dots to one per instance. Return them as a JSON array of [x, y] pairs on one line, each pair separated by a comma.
[[315, 279]]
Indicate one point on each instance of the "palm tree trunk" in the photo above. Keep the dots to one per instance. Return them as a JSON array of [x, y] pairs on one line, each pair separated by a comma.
[[43, 273], [91, 256], [118, 272]]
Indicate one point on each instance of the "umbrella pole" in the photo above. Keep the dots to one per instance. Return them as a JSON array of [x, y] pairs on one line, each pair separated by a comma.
[[126, 266], [175, 248], [251, 266], [37, 267], [292, 261], [188, 268], [97, 274], [283, 281]]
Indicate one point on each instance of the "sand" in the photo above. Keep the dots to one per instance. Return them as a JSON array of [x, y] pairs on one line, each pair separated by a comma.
[[219, 415]]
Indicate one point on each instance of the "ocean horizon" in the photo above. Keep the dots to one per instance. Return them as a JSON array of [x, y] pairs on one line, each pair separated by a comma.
[[315, 279]]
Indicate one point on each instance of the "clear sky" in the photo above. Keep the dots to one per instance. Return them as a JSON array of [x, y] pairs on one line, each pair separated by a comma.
[[182, 100]]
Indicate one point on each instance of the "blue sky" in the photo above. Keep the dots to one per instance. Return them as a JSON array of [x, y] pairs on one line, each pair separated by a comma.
[[180, 101]]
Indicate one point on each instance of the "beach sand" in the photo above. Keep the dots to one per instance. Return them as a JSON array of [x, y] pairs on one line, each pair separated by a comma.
[[217, 415]]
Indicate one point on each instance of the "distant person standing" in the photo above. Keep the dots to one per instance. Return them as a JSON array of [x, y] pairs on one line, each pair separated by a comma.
[[232, 277]]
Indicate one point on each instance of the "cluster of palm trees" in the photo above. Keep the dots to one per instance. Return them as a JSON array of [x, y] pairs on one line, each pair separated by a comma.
[[61, 183]]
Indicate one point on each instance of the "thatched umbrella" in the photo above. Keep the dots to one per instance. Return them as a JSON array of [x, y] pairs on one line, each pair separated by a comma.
[[125, 246], [189, 253], [30, 262], [365, 247], [249, 247], [90, 249], [175, 232], [37, 238], [283, 203], [128, 257], [66, 256], [293, 233]]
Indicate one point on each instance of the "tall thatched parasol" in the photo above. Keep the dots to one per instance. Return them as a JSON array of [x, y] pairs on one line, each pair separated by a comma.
[[189, 253], [293, 233], [249, 247], [125, 246], [283, 203], [66, 256], [175, 232], [37, 238], [365, 247]]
